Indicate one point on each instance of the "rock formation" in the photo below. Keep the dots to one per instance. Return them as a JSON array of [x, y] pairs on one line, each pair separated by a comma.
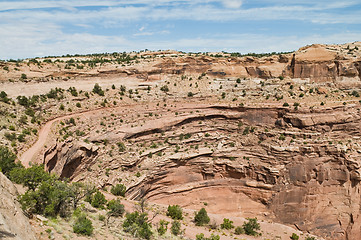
[[276, 137], [309, 179], [14, 225]]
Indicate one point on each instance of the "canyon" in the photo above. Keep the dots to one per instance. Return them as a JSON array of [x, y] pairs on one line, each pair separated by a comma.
[[275, 137]]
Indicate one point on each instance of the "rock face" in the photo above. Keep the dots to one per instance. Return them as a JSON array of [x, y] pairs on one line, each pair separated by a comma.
[[14, 225], [309, 178], [70, 158], [317, 63], [313, 185], [295, 165]]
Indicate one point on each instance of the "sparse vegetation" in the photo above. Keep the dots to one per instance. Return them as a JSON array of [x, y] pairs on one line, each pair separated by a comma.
[[201, 217], [251, 226], [83, 226], [164, 88], [137, 224], [175, 212], [116, 209], [118, 190], [98, 90], [176, 228], [294, 236], [227, 224]]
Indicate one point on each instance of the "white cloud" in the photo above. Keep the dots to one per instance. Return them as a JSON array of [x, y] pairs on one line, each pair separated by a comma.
[[232, 3], [28, 30], [51, 40], [17, 5], [144, 34], [197, 10]]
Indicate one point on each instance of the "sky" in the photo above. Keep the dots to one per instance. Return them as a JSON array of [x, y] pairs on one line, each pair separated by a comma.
[[38, 28]]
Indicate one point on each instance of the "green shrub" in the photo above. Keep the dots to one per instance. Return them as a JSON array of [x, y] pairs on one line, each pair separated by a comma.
[[137, 224], [10, 137], [201, 217], [72, 121], [7, 160], [118, 190], [23, 101], [239, 230], [286, 104], [163, 226], [355, 93], [83, 226], [246, 131], [4, 97], [176, 228], [23, 119], [251, 226], [212, 237], [98, 90], [294, 236], [30, 177], [30, 112], [164, 88], [101, 217], [310, 238], [51, 197], [73, 91], [21, 137], [98, 200], [121, 146], [282, 137], [116, 208], [175, 212], [227, 224]]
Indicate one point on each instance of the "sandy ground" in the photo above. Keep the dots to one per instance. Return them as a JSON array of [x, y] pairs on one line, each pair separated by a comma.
[[14, 89]]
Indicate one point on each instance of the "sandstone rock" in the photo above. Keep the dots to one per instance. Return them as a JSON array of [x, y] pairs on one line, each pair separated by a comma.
[[13, 223], [69, 159]]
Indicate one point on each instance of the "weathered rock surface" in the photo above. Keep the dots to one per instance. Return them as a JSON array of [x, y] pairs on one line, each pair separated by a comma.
[[299, 165], [310, 180], [70, 158], [14, 225]]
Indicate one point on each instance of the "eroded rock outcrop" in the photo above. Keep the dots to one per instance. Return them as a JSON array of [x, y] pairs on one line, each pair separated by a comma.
[[68, 159], [14, 225]]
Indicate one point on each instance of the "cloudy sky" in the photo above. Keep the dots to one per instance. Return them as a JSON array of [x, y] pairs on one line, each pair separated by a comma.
[[55, 27]]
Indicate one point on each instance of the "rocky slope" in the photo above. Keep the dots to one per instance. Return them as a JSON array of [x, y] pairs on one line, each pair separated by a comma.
[[14, 225], [277, 137], [289, 166]]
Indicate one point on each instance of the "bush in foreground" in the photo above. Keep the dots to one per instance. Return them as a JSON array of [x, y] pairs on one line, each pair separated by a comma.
[[83, 226], [7, 160]]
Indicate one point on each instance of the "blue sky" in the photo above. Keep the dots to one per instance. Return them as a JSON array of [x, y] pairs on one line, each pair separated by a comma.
[[56, 27]]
